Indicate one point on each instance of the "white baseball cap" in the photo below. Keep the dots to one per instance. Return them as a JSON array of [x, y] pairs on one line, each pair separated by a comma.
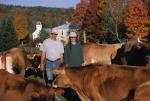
[[72, 34], [54, 32]]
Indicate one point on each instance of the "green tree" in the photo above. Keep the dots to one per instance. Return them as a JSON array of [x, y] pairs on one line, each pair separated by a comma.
[[8, 36], [44, 35]]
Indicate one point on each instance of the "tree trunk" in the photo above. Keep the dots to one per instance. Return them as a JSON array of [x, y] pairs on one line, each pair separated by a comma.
[[117, 34]]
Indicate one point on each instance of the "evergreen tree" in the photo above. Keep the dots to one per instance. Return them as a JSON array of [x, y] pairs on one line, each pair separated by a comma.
[[8, 37], [44, 35]]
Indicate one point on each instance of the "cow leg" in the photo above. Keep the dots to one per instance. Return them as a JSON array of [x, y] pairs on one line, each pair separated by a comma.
[[94, 93], [82, 96], [96, 97]]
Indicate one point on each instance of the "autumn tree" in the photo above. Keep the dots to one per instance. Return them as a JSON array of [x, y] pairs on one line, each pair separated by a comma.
[[92, 22], [80, 11], [137, 19], [8, 36], [21, 26], [112, 13]]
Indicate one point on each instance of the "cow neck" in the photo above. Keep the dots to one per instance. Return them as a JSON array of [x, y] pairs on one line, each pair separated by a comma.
[[71, 74]]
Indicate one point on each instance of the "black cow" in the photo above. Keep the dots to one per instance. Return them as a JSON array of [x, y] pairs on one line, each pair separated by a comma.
[[132, 53], [34, 70]]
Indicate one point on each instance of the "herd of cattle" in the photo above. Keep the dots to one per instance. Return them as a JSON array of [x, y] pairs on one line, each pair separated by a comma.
[[111, 72], [17, 88]]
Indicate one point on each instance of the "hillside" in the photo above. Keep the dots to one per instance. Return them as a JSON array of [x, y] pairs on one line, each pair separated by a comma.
[[49, 17]]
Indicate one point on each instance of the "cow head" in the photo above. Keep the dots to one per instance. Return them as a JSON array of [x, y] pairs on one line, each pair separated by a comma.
[[137, 43], [131, 45], [34, 59], [38, 92], [62, 79]]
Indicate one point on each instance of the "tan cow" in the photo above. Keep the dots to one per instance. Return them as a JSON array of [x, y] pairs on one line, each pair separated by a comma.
[[101, 82], [13, 60], [100, 53]]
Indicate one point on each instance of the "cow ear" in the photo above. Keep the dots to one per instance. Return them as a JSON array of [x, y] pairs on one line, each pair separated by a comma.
[[58, 70]]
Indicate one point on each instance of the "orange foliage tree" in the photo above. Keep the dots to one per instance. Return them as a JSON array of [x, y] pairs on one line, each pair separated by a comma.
[[137, 19], [21, 26], [79, 12]]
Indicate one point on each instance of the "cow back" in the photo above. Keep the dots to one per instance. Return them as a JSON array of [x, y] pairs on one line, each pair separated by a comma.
[[103, 82], [100, 53]]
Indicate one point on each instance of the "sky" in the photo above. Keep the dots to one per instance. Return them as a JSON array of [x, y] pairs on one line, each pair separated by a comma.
[[44, 3]]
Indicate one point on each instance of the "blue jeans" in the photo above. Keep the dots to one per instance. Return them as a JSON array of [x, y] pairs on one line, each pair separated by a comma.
[[49, 67]]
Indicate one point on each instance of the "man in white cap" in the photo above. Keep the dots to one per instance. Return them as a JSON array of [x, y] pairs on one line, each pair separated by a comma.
[[52, 55]]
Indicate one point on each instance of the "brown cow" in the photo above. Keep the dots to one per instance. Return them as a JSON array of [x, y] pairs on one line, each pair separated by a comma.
[[13, 60], [139, 93], [142, 93], [33, 91], [16, 88], [100, 53], [101, 83]]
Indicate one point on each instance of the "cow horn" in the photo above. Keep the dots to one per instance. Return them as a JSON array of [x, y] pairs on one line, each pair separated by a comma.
[[138, 39]]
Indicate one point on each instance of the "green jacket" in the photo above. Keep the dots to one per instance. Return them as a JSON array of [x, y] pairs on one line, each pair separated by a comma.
[[73, 55]]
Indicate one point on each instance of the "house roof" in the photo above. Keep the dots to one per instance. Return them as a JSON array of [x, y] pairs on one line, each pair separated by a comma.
[[64, 26], [69, 26]]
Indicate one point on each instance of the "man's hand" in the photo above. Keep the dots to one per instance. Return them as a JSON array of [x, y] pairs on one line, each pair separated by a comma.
[[42, 67], [61, 58]]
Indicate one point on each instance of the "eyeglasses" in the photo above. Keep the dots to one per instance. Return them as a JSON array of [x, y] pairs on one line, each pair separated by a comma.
[[54, 33], [73, 37]]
